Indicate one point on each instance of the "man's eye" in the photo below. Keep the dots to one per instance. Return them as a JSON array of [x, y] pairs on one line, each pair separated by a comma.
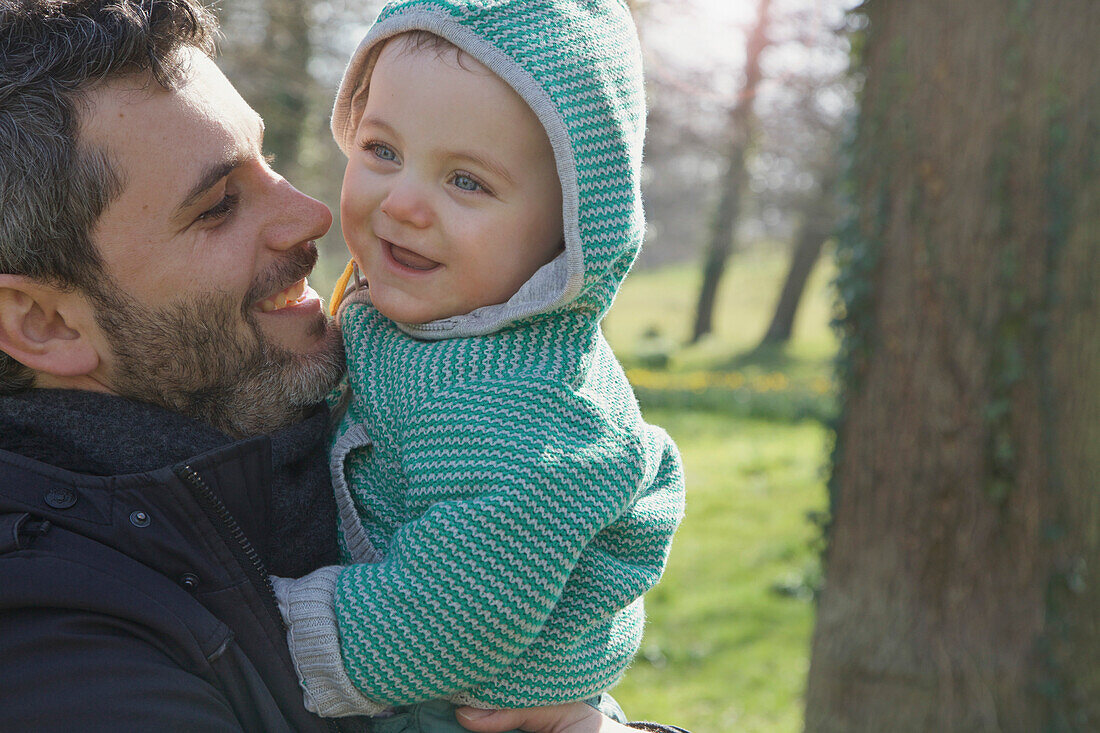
[[222, 209], [466, 183]]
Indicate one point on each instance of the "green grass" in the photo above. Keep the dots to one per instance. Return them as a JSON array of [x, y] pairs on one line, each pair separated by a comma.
[[664, 299], [727, 643]]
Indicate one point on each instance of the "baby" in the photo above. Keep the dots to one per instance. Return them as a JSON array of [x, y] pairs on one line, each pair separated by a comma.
[[504, 502]]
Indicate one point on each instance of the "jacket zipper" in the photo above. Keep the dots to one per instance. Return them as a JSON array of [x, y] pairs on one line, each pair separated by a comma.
[[240, 546]]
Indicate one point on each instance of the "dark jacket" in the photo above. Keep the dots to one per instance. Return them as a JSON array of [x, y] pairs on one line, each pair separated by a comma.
[[139, 601]]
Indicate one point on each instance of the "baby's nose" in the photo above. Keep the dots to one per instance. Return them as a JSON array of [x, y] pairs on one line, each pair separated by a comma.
[[407, 203]]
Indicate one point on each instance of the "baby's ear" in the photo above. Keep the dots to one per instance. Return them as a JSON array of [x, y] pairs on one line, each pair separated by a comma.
[[46, 328]]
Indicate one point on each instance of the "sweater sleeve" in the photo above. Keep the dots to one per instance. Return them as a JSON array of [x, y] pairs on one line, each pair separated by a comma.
[[514, 481]]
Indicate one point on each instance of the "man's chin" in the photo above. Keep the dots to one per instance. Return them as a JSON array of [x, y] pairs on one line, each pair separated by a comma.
[[197, 358], [309, 358]]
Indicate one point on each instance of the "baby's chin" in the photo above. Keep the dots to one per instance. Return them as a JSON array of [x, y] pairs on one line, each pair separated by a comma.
[[404, 307], [414, 314]]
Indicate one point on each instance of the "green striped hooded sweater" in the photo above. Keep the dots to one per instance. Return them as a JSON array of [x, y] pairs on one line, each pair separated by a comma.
[[505, 502]]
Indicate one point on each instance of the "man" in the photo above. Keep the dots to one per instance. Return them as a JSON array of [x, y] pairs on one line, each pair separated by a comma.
[[148, 251], [163, 364]]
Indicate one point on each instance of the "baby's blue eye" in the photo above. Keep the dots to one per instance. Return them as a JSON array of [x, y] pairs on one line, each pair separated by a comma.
[[466, 183], [384, 152]]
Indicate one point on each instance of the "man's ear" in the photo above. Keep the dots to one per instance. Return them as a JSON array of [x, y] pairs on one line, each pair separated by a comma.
[[46, 328]]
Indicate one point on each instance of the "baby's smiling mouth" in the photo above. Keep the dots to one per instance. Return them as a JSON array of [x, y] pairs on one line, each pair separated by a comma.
[[408, 258]]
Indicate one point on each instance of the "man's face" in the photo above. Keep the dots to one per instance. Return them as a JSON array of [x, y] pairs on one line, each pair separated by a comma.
[[206, 310]]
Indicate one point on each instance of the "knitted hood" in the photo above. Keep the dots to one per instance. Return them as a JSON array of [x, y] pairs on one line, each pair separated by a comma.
[[577, 64]]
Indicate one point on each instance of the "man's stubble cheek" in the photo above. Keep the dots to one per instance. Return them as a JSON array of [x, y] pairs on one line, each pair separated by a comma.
[[205, 359]]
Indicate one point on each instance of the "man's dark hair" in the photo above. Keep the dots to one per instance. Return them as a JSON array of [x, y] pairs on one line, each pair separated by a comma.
[[53, 187]]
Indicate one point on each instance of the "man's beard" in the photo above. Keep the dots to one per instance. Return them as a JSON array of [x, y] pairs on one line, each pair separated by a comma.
[[193, 358]]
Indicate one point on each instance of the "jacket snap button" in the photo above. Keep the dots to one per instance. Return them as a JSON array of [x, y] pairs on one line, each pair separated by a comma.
[[61, 498], [139, 519], [190, 581]]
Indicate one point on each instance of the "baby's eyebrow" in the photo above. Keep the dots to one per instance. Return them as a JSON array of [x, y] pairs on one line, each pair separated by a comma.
[[486, 163], [377, 122]]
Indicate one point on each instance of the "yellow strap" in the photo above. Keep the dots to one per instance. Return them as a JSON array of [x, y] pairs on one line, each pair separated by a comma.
[[341, 286]]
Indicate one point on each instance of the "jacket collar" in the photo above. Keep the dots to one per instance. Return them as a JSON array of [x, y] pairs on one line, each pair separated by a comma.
[[100, 434], [119, 456]]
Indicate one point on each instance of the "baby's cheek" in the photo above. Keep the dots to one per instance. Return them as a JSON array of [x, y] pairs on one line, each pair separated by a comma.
[[353, 225]]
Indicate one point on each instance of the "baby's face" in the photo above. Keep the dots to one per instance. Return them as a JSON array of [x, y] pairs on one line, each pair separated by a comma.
[[451, 198]]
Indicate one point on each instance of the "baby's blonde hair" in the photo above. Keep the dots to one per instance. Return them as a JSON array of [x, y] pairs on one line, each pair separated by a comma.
[[420, 40]]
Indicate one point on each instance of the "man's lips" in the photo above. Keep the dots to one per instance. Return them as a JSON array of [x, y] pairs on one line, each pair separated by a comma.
[[408, 258], [288, 273], [296, 294]]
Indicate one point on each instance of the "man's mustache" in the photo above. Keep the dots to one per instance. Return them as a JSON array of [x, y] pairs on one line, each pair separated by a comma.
[[292, 267]]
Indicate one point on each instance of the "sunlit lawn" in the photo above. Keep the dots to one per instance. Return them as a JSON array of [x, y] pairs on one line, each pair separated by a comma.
[[665, 299], [727, 643]]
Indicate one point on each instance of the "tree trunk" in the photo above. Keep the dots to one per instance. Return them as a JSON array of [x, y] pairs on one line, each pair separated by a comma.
[[734, 180], [283, 99], [817, 225], [961, 588]]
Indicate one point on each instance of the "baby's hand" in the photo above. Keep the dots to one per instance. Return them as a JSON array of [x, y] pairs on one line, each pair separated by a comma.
[[575, 717]]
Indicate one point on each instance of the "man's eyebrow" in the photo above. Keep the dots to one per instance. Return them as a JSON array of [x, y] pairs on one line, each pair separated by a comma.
[[217, 171], [208, 180]]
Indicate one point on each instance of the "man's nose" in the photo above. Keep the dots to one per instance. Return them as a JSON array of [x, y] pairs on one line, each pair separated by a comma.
[[296, 218], [407, 203]]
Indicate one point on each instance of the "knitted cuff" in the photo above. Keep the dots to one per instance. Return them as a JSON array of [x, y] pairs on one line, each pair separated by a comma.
[[308, 606]]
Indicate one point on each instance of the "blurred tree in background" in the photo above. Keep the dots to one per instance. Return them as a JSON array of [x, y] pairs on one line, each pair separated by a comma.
[[818, 219], [281, 86], [960, 584], [739, 133], [739, 143]]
